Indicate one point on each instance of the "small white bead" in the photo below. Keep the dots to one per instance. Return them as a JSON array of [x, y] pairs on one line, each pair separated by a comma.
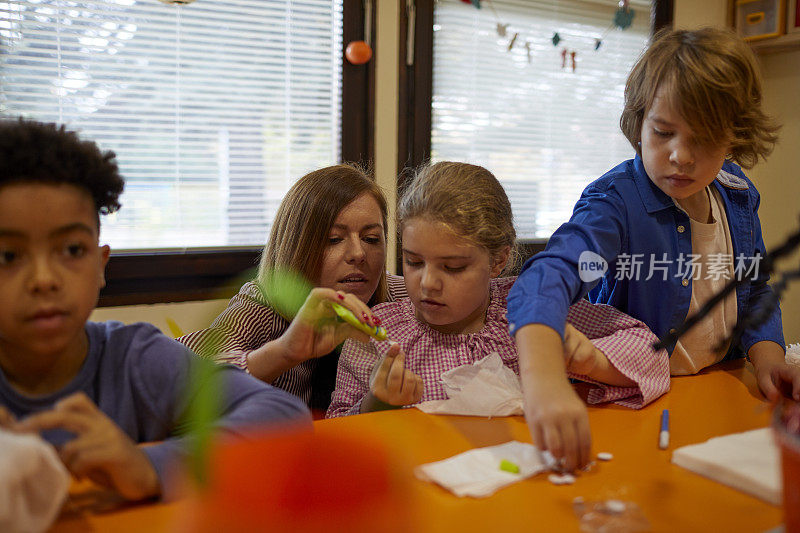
[[566, 479], [605, 456], [615, 506]]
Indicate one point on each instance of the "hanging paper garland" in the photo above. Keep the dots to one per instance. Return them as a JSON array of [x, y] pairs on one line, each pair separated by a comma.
[[622, 19], [623, 16]]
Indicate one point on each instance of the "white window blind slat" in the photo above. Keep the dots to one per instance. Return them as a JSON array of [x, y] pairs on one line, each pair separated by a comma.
[[213, 109], [543, 130]]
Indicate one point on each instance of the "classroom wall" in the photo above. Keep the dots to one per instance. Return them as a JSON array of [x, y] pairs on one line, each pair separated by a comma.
[[777, 179], [189, 316]]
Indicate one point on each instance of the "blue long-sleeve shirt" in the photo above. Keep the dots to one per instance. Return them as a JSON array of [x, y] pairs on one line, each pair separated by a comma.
[[138, 377], [621, 214]]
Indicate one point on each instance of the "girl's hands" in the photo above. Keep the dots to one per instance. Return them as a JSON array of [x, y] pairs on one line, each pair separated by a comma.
[[100, 451], [580, 355], [315, 331], [393, 383]]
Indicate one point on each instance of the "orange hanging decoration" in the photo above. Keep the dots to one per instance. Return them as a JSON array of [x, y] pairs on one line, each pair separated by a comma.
[[359, 52]]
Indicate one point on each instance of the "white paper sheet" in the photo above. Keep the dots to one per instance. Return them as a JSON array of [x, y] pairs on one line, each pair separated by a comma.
[[748, 461]]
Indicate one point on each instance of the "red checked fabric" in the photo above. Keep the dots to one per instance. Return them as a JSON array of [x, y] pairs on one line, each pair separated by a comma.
[[626, 342]]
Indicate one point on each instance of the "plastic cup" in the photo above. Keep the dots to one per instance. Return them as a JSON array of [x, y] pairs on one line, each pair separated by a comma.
[[786, 421]]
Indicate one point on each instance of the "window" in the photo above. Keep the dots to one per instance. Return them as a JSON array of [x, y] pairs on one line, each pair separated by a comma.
[[544, 130], [213, 108]]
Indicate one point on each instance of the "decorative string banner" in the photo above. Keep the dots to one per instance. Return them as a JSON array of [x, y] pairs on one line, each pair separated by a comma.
[[621, 18]]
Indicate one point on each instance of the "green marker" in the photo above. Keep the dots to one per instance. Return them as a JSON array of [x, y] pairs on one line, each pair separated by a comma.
[[376, 332], [508, 466]]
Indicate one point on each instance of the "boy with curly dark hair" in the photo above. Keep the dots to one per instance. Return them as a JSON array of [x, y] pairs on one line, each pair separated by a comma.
[[95, 390]]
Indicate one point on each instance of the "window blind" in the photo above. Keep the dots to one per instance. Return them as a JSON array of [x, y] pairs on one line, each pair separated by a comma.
[[543, 130], [214, 108]]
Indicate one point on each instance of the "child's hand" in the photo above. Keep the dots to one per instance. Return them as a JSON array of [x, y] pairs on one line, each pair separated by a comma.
[[779, 378], [393, 383], [7, 420], [559, 422], [580, 355], [100, 450], [557, 418], [774, 376]]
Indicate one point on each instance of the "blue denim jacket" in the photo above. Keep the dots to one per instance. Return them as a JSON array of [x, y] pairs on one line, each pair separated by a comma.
[[624, 213]]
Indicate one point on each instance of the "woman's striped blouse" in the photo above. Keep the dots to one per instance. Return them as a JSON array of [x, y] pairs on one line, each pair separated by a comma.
[[248, 323]]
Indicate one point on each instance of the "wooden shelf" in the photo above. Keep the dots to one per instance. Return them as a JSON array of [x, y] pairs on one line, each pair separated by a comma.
[[772, 45]]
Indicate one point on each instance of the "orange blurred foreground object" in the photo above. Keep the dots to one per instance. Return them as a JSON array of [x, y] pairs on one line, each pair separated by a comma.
[[358, 52], [785, 422], [304, 482]]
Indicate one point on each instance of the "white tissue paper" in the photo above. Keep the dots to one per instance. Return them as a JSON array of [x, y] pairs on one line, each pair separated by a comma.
[[484, 388], [33, 483], [748, 461], [793, 354], [477, 473]]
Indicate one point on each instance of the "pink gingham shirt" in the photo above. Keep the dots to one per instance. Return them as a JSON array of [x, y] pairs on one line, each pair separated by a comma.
[[626, 342]]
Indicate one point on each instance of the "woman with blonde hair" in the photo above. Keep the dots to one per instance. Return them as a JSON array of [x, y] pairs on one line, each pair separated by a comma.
[[331, 229]]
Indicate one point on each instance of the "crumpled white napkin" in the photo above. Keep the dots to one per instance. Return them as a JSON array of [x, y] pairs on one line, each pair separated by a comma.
[[748, 461], [484, 388], [33, 483], [793, 353], [477, 473]]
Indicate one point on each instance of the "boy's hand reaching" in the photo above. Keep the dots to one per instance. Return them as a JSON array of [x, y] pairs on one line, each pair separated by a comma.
[[100, 451], [393, 383], [557, 418], [559, 422]]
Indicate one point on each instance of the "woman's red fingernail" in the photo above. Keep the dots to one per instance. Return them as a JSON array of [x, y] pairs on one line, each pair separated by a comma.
[[340, 295]]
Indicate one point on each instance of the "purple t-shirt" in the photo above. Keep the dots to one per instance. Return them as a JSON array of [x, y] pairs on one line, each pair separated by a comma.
[[136, 375]]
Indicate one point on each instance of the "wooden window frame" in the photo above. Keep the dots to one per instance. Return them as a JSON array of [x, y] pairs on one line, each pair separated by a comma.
[[159, 276]]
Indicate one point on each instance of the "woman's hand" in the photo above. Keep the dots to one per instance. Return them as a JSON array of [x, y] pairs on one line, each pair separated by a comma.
[[100, 451], [314, 332], [392, 383]]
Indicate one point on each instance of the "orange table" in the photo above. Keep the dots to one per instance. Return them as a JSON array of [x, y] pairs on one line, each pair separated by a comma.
[[724, 400]]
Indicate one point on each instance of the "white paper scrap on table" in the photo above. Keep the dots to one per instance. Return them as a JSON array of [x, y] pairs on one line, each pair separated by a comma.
[[484, 388], [33, 483], [748, 461], [477, 473], [793, 354]]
